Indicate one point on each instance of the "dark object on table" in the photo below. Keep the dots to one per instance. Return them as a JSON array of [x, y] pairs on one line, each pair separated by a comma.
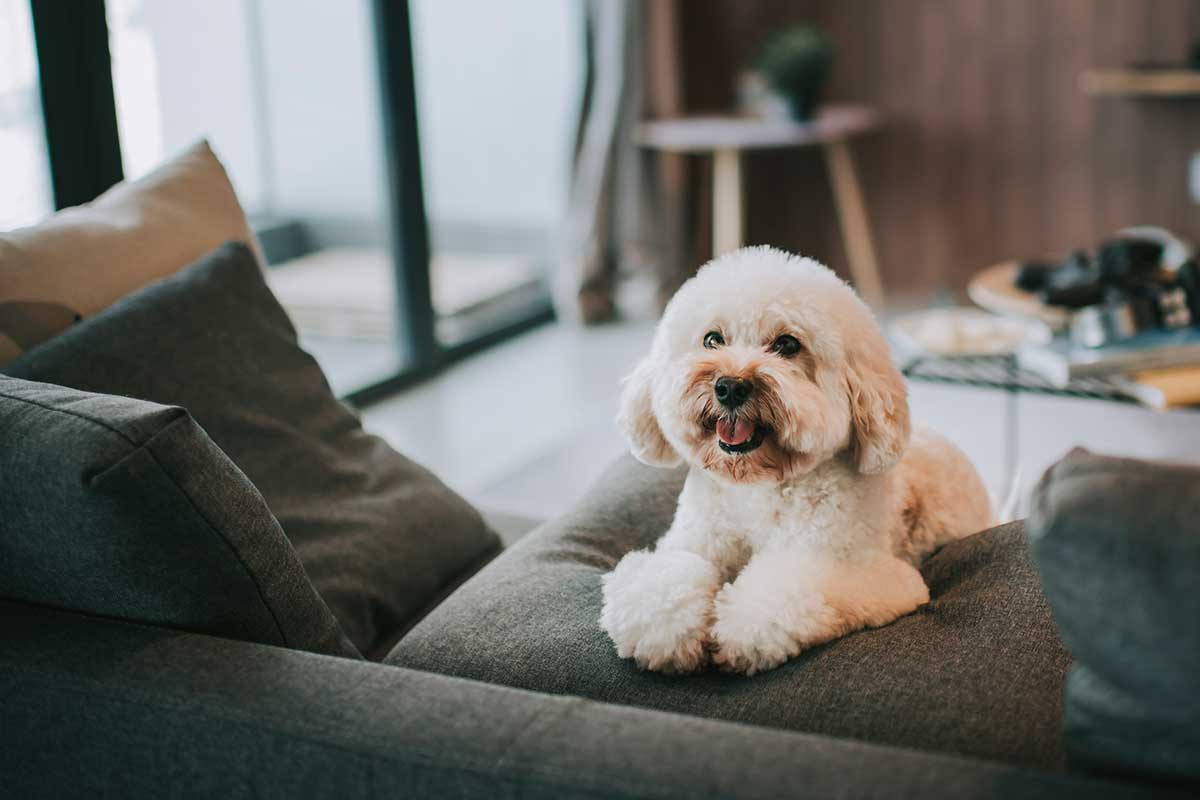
[[1126, 262], [1126, 312], [1121, 292], [1078, 295], [1187, 278], [796, 62], [1032, 276], [1081, 280], [1074, 283], [1175, 307], [1118, 317]]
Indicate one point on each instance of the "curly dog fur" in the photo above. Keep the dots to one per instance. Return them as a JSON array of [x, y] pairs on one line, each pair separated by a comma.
[[810, 501]]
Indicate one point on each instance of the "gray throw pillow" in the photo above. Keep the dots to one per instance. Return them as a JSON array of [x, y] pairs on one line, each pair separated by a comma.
[[379, 536], [126, 509], [1117, 542]]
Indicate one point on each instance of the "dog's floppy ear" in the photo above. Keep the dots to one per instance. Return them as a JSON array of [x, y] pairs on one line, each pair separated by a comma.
[[878, 406], [637, 421]]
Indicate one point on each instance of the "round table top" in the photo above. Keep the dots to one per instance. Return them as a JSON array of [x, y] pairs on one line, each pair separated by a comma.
[[993, 289], [708, 133]]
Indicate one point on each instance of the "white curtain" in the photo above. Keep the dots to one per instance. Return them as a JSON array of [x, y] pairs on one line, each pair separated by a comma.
[[625, 209]]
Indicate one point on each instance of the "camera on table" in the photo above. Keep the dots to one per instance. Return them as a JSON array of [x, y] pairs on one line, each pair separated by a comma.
[[1120, 292]]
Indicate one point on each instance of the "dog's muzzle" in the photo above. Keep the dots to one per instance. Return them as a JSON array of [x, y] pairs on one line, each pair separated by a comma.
[[732, 392]]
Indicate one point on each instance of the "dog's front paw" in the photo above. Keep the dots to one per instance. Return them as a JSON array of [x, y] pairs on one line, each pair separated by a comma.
[[751, 634], [658, 607]]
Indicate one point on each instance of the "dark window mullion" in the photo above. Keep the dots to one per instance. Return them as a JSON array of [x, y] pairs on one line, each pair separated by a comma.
[[402, 152], [77, 98]]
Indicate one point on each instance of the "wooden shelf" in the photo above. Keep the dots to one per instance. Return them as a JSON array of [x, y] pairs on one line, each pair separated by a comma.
[[1140, 83]]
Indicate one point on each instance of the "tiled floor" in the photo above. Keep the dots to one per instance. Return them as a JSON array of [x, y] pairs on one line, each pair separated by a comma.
[[524, 428]]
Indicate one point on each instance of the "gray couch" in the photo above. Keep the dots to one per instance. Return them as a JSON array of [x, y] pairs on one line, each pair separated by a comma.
[[960, 700], [214, 583], [97, 708]]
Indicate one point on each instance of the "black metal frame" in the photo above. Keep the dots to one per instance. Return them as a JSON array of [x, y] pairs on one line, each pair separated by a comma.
[[85, 159], [78, 106], [397, 81]]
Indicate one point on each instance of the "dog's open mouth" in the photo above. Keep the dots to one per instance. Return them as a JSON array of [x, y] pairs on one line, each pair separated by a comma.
[[739, 435]]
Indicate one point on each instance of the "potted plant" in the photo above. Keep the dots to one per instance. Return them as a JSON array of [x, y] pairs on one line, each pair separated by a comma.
[[796, 61]]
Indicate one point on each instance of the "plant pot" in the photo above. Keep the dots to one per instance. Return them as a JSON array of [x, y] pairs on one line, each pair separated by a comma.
[[795, 62], [803, 107]]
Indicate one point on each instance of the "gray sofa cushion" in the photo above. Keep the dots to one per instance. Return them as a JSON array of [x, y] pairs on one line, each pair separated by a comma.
[[126, 509], [1118, 545], [379, 536], [979, 671], [111, 710]]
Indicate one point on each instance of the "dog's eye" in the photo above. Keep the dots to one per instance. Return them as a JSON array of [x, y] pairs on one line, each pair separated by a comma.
[[786, 345], [713, 339]]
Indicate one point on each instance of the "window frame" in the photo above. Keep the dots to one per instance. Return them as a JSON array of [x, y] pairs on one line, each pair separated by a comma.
[[84, 150]]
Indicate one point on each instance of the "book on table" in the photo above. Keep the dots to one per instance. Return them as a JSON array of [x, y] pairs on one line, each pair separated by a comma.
[[1175, 387], [1060, 361]]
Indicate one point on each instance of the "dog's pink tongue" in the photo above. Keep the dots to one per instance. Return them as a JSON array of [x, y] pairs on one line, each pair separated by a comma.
[[734, 432]]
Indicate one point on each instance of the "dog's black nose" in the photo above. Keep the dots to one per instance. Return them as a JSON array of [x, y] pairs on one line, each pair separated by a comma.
[[732, 392]]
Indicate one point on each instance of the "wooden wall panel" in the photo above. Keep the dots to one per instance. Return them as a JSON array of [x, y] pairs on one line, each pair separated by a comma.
[[991, 149]]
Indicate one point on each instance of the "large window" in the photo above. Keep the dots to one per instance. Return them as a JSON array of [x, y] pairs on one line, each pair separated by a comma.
[[292, 107], [26, 172], [497, 95], [327, 115]]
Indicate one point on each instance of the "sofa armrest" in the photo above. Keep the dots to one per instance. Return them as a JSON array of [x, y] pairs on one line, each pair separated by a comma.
[[97, 707]]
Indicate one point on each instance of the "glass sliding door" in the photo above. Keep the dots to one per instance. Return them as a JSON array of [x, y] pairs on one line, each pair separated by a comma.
[[498, 89], [26, 193], [288, 94], [404, 164]]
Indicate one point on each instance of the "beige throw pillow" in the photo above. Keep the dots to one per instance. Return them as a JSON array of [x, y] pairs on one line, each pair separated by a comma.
[[80, 260]]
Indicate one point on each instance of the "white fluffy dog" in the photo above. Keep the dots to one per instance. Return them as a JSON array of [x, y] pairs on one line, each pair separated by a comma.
[[809, 502]]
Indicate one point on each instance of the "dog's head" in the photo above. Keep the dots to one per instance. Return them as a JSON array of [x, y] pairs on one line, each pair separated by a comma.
[[765, 365]]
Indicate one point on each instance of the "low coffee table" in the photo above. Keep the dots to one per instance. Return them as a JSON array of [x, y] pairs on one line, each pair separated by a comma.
[[1002, 373]]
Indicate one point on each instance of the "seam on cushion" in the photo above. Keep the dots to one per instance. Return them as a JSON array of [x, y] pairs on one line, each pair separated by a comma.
[[541, 773], [95, 616], [97, 422], [441, 760], [237, 555]]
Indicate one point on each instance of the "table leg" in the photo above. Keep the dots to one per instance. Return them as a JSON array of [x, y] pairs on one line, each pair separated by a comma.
[[852, 216], [727, 201], [1011, 500]]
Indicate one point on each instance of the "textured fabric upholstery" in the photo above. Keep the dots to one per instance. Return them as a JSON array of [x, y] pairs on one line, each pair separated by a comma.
[[97, 708], [379, 536], [126, 509], [1118, 544], [978, 671]]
